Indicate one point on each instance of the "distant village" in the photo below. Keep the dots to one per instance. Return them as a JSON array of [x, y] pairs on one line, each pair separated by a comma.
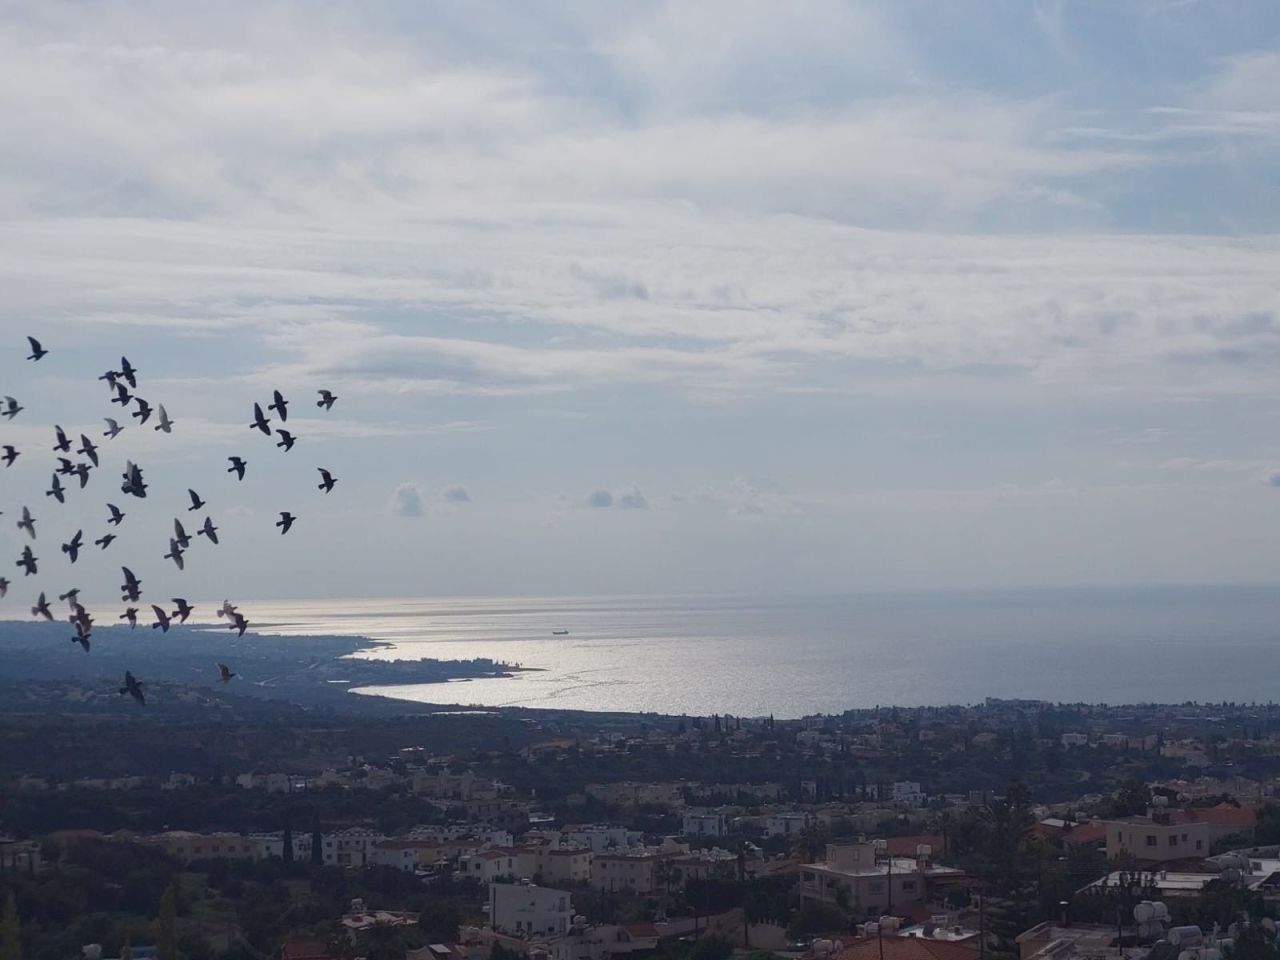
[[1163, 841]]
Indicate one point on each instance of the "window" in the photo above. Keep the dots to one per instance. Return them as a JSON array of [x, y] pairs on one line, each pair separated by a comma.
[[1199, 844], [908, 886], [1151, 839], [1173, 839]]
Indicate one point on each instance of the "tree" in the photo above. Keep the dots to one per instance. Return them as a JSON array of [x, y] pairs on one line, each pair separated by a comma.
[[10, 930], [166, 939]]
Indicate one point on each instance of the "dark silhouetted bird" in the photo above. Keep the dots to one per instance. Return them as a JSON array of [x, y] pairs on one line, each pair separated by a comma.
[[196, 502], [279, 404], [133, 480], [72, 547], [28, 562], [175, 554], [10, 455], [327, 480], [113, 429], [105, 541], [62, 444], [11, 408], [72, 596], [41, 609], [87, 449], [131, 589], [260, 420], [209, 530], [65, 467], [28, 523], [165, 423], [116, 514], [4, 586], [82, 471], [162, 619], [133, 688], [128, 371], [326, 399], [130, 614], [238, 623], [237, 467], [37, 351], [287, 439], [180, 535], [183, 609], [122, 396], [110, 376], [83, 640], [55, 490], [224, 673], [143, 413], [285, 521]]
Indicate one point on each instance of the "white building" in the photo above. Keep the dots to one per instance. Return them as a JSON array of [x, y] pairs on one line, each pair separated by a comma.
[[494, 863], [525, 910], [1075, 739], [908, 793], [786, 824], [853, 876], [703, 823], [601, 838]]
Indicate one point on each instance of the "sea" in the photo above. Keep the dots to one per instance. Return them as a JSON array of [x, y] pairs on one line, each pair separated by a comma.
[[798, 656]]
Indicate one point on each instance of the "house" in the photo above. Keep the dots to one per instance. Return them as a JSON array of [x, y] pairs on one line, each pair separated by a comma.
[[400, 854], [526, 910], [894, 947], [493, 863], [1074, 740], [1054, 941], [639, 869], [855, 876], [554, 865], [269, 845], [185, 846], [352, 847], [598, 838], [704, 823], [1164, 835], [786, 824], [19, 856], [304, 950]]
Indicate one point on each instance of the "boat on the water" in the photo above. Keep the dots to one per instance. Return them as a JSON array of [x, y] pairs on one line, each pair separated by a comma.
[[559, 633]]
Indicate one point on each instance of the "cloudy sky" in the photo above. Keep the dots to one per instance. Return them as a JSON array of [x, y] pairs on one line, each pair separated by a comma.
[[647, 297]]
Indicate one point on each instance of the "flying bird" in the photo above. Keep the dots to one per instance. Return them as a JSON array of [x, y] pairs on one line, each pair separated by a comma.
[[72, 596], [28, 523], [133, 480], [37, 351], [209, 530], [41, 609], [238, 623], [285, 521], [130, 614], [82, 471], [72, 547], [180, 535], [128, 372], [105, 541], [326, 399], [286, 439], [260, 420], [55, 491], [12, 408], [196, 502], [122, 396], [237, 467], [10, 455], [224, 673], [327, 480], [183, 609], [87, 449], [63, 445], [28, 562], [143, 413], [175, 554], [226, 610], [113, 429], [131, 589], [133, 688], [81, 638], [116, 514], [162, 619], [4, 586], [110, 376], [279, 404], [65, 467], [165, 423]]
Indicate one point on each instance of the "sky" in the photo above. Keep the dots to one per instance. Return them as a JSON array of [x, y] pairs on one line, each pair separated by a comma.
[[725, 297]]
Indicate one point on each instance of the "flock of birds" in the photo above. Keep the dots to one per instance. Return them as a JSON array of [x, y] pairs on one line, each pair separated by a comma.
[[121, 382]]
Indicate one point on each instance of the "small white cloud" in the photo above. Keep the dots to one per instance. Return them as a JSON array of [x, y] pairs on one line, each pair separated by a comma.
[[600, 498], [407, 501], [633, 501], [1272, 479], [457, 494]]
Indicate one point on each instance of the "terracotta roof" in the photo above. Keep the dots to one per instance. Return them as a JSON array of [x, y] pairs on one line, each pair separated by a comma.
[[907, 948], [304, 950], [1085, 833], [642, 931], [1224, 814]]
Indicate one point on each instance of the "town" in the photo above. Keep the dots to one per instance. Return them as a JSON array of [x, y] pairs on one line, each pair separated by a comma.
[[1010, 828]]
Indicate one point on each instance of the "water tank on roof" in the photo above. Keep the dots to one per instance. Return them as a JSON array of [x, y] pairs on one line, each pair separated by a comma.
[[924, 850], [822, 948], [1184, 937], [1144, 912], [1159, 800], [1162, 912], [92, 951]]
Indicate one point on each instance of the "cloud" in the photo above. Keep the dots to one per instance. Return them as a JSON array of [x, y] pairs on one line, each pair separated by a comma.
[[634, 500], [600, 498], [1272, 479], [407, 501], [457, 494]]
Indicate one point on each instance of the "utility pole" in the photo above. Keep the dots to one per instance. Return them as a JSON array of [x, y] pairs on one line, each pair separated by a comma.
[[982, 926]]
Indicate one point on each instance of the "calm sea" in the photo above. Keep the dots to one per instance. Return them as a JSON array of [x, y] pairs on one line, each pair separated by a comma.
[[792, 657]]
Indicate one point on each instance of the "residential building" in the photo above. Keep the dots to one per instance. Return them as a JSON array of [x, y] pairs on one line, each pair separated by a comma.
[[1164, 835], [19, 856], [185, 846], [855, 876], [786, 824], [488, 865], [704, 823], [526, 910], [400, 854]]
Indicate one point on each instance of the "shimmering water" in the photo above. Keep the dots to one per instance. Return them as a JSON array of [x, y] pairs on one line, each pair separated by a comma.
[[791, 657]]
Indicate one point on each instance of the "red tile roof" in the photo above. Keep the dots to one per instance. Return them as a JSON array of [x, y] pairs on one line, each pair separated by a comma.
[[304, 950], [907, 948], [906, 846], [1224, 815], [1086, 833]]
